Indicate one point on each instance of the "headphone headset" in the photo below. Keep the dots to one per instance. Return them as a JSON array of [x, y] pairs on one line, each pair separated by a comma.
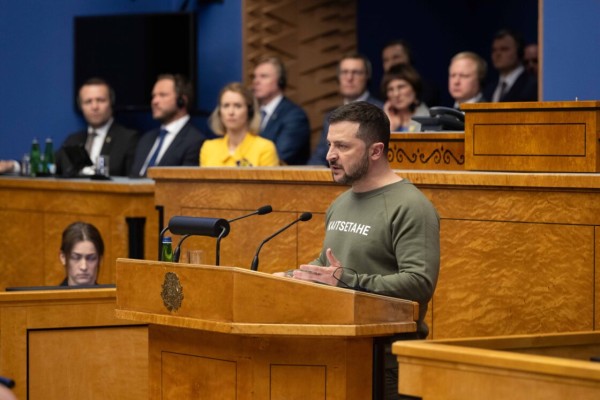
[[180, 102], [282, 81]]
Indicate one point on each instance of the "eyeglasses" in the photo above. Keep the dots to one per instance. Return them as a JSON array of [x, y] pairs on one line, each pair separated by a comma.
[[351, 72]]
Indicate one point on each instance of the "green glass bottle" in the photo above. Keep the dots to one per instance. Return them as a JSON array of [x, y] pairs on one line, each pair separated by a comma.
[[167, 249], [49, 161], [35, 158]]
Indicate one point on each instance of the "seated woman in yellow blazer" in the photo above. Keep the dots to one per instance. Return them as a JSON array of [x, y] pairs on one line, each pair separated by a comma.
[[235, 119]]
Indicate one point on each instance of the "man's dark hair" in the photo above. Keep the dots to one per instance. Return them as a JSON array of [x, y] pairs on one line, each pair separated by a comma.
[[99, 81], [405, 45], [183, 89], [374, 125], [517, 37]]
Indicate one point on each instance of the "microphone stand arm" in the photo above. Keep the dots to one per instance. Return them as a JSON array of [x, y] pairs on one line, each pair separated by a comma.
[[218, 249]]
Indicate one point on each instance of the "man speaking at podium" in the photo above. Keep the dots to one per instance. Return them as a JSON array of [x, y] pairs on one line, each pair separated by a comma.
[[381, 235]]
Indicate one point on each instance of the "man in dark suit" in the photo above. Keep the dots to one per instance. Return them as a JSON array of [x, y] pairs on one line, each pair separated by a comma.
[[176, 142], [103, 136], [354, 73], [514, 83], [283, 122]]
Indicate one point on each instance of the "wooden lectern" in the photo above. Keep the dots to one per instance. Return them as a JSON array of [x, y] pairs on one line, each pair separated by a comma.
[[231, 333]]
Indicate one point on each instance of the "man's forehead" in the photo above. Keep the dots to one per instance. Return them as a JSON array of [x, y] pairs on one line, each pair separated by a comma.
[[93, 90], [352, 62], [265, 68], [343, 130]]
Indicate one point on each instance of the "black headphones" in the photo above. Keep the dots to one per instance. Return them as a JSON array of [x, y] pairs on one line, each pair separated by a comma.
[[282, 81], [180, 102]]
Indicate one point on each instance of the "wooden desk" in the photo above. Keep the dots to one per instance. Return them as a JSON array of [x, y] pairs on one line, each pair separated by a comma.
[[34, 213], [230, 333], [528, 367], [520, 252], [68, 344]]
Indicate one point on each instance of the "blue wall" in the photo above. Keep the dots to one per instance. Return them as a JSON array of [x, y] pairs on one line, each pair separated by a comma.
[[571, 50], [37, 67], [437, 30], [36, 72]]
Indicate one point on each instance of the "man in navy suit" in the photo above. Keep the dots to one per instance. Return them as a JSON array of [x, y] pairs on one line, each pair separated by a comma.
[[514, 83], [103, 136], [283, 122], [177, 141], [354, 72]]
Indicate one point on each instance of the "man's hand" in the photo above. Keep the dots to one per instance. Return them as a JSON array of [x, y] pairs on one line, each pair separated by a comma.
[[6, 166], [315, 273]]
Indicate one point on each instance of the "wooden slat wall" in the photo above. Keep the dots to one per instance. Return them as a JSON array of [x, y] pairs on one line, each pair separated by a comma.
[[310, 37]]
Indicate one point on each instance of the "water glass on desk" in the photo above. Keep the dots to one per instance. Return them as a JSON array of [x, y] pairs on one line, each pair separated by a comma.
[[102, 166]]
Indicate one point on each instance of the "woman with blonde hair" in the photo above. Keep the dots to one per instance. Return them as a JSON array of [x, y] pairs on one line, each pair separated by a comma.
[[236, 120]]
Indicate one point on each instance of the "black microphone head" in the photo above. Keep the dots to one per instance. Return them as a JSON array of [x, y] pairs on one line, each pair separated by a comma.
[[213, 227], [305, 216], [264, 210]]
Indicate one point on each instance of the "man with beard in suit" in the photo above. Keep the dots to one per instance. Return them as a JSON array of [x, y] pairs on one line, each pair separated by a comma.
[[176, 142]]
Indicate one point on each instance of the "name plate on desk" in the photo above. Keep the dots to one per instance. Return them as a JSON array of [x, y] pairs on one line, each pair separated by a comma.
[[533, 136]]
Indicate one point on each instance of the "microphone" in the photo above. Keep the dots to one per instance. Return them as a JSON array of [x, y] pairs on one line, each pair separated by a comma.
[[200, 226], [206, 223], [261, 211], [303, 217], [188, 226]]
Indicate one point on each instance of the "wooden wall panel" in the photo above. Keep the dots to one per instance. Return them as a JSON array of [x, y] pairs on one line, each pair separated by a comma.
[[519, 251], [36, 211], [68, 344], [536, 278], [310, 37], [100, 363]]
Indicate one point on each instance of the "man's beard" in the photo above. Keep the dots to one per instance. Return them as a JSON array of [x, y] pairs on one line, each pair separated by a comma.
[[357, 173]]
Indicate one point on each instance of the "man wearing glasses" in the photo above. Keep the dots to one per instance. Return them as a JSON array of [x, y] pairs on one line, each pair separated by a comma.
[[354, 73]]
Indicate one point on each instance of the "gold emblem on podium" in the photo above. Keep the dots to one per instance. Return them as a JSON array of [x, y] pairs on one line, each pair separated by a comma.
[[172, 292]]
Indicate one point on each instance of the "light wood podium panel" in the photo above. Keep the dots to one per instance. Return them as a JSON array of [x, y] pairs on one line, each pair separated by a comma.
[[519, 251], [68, 344], [549, 136], [231, 333], [35, 211], [523, 367]]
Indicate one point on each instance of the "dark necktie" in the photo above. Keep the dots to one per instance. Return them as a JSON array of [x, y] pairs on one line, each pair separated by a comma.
[[503, 87], [89, 142], [263, 122], [161, 139]]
